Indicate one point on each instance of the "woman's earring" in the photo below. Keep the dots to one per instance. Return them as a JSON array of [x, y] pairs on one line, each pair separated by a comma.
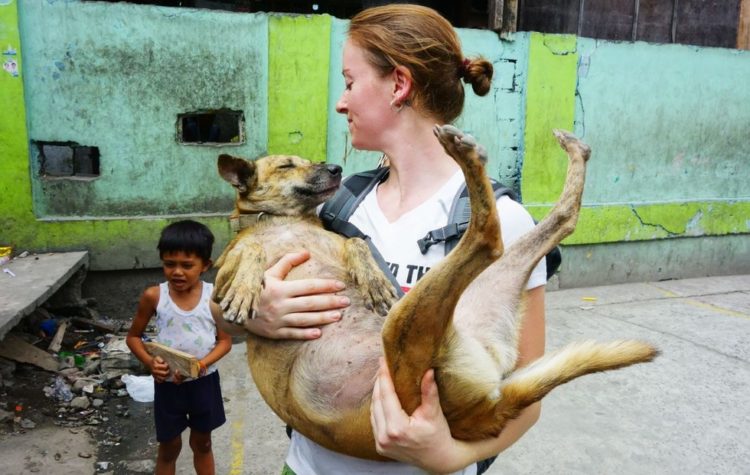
[[398, 107], [383, 162]]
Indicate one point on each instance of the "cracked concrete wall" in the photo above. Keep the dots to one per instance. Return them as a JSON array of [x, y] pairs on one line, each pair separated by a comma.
[[667, 124], [96, 77]]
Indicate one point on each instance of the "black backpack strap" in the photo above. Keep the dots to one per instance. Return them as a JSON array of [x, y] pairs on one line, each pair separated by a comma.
[[458, 221], [336, 212], [460, 213]]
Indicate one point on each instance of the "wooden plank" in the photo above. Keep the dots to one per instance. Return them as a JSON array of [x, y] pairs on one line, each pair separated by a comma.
[[186, 363], [510, 17], [57, 339], [654, 21], [93, 324], [611, 20], [495, 15], [16, 349], [743, 26], [703, 23], [549, 16]]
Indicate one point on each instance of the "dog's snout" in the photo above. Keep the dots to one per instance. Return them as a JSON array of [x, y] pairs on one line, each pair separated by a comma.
[[334, 170]]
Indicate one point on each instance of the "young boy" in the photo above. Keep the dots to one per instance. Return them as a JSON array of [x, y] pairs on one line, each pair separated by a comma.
[[186, 320]]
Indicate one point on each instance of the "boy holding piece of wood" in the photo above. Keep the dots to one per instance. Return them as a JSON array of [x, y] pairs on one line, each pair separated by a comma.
[[187, 390]]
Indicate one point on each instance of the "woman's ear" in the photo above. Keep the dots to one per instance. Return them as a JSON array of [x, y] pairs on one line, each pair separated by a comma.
[[402, 85]]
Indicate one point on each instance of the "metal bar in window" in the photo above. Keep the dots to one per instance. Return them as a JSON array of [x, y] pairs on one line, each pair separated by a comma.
[[674, 21], [636, 8]]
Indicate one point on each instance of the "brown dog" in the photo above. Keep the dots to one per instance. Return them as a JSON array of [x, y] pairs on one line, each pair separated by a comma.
[[461, 318]]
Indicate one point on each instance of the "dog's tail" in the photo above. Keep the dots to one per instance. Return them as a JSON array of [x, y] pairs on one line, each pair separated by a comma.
[[531, 383]]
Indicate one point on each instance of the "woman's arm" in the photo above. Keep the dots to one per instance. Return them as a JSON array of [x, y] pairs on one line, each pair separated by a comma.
[[295, 309], [424, 438]]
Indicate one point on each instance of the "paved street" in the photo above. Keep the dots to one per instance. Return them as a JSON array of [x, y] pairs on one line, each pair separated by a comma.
[[686, 413]]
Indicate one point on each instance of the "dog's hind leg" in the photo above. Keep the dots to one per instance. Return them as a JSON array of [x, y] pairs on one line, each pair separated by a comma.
[[489, 308], [507, 278], [416, 324], [561, 221]]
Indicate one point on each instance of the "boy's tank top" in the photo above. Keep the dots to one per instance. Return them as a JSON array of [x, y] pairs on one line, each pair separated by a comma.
[[192, 331]]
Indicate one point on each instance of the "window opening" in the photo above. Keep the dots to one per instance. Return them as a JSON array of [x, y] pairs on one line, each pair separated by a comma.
[[68, 160], [223, 127]]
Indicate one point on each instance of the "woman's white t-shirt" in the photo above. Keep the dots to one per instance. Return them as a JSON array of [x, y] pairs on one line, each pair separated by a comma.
[[397, 243]]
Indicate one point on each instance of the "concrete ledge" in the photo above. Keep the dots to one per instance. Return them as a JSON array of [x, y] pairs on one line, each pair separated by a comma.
[[37, 278]]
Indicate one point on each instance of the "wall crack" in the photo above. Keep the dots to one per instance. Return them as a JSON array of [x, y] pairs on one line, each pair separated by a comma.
[[653, 225]]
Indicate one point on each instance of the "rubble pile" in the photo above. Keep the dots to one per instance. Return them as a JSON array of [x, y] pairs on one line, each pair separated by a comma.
[[78, 360]]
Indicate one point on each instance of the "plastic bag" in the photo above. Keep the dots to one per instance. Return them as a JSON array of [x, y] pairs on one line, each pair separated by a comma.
[[140, 388], [60, 390]]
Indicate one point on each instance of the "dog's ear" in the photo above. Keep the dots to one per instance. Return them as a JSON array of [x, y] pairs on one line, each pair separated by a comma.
[[236, 171]]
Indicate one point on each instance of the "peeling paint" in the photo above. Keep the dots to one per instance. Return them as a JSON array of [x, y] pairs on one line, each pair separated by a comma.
[[628, 223], [560, 45]]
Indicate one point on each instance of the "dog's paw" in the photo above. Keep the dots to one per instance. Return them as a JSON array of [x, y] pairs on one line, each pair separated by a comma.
[[459, 145], [239, 282], [571, 144], [381, 294], [240, 303]]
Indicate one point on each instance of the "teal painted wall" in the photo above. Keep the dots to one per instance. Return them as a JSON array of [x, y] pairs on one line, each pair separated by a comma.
[[97, 77], [668, 125]]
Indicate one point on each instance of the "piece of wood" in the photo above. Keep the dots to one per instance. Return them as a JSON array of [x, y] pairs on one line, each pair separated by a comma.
[[103, 327], [186, 363], [743, 28], [495, 16], [510, 17], [16, 349], [57, 339]]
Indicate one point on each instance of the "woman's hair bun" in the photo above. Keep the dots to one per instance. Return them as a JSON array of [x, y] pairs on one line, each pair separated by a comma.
[[478, 73]]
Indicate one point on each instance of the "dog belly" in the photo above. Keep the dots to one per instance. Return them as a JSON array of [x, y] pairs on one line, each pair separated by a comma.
[[319, 380], [337, 376]]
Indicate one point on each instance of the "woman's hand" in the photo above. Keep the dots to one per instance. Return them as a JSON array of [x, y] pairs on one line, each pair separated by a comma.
[[159, 369], [294, 309], [422, 439]]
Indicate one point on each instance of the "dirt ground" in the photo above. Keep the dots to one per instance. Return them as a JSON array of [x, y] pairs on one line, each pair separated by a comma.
[[39, 434]]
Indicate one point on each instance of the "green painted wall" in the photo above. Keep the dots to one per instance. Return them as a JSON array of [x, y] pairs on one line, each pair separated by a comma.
[[550, 104], [299, 48], [15, 188], [668, 125]]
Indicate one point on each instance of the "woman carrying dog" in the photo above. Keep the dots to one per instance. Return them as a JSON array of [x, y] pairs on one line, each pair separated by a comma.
[[404, 72]]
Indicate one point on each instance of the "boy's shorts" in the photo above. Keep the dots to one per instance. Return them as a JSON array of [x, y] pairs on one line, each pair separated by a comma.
[[196, 404]]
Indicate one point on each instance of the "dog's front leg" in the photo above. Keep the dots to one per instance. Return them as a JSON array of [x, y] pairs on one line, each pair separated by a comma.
[[377, 291], [240, 280]]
